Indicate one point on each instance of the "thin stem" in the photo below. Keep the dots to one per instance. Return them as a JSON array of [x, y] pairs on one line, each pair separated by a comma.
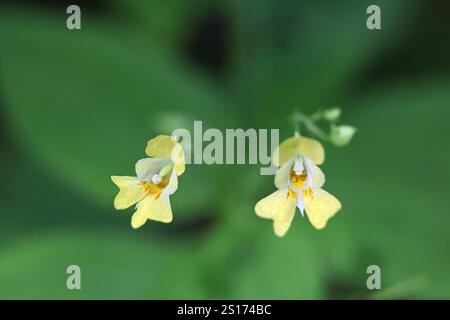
[[295, 122], [300, 118]]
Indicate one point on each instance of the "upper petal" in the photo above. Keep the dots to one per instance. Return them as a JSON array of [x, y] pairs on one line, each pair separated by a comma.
[[320, 206], [298, 145], [279, 207], [286, 151], [160, 146], [312, 149], [130, 192]]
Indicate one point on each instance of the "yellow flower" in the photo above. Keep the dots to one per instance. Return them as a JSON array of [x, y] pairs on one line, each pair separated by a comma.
[[299, 181], [156, 179]]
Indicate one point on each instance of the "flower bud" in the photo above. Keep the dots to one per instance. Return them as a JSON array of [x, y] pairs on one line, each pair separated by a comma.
[[341, 135], [332, 114]]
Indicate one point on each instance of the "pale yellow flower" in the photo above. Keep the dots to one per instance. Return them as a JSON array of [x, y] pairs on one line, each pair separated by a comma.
[[299, 181], [156, 179]]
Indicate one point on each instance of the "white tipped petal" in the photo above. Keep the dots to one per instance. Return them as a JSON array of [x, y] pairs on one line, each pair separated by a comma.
[[315, 174], [283, 174], [146, 168]]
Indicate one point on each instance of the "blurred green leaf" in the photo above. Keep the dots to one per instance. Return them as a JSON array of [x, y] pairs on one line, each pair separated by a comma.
[[303, 54], [165, 21], [83, 104], [392, 182], [34, 267]]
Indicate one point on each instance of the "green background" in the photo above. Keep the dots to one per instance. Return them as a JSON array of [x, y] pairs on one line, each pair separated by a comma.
[[79, 106]]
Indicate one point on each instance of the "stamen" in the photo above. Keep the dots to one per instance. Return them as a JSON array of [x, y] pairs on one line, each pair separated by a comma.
[[297, 181], [292, 194], [155, 189], [308, 193]]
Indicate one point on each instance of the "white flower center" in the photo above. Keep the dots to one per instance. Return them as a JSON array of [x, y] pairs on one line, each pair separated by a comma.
[[298, 166]]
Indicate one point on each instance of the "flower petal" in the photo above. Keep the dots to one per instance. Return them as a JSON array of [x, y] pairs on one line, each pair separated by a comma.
[[298, 145], [283, 174], [287, 150], [160, 146], [316, 174], [147, 167], [162, 210], [139, 217], [157, 209], [130, 192], [177, 156], [312, 149], [320, 206], [279, 207], [172, 186]]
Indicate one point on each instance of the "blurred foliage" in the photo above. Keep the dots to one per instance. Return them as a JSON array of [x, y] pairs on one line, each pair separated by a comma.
[[78, 107]]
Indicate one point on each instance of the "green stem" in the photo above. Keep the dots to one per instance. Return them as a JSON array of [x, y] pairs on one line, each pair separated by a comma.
[[295, 122], [300, 118]]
